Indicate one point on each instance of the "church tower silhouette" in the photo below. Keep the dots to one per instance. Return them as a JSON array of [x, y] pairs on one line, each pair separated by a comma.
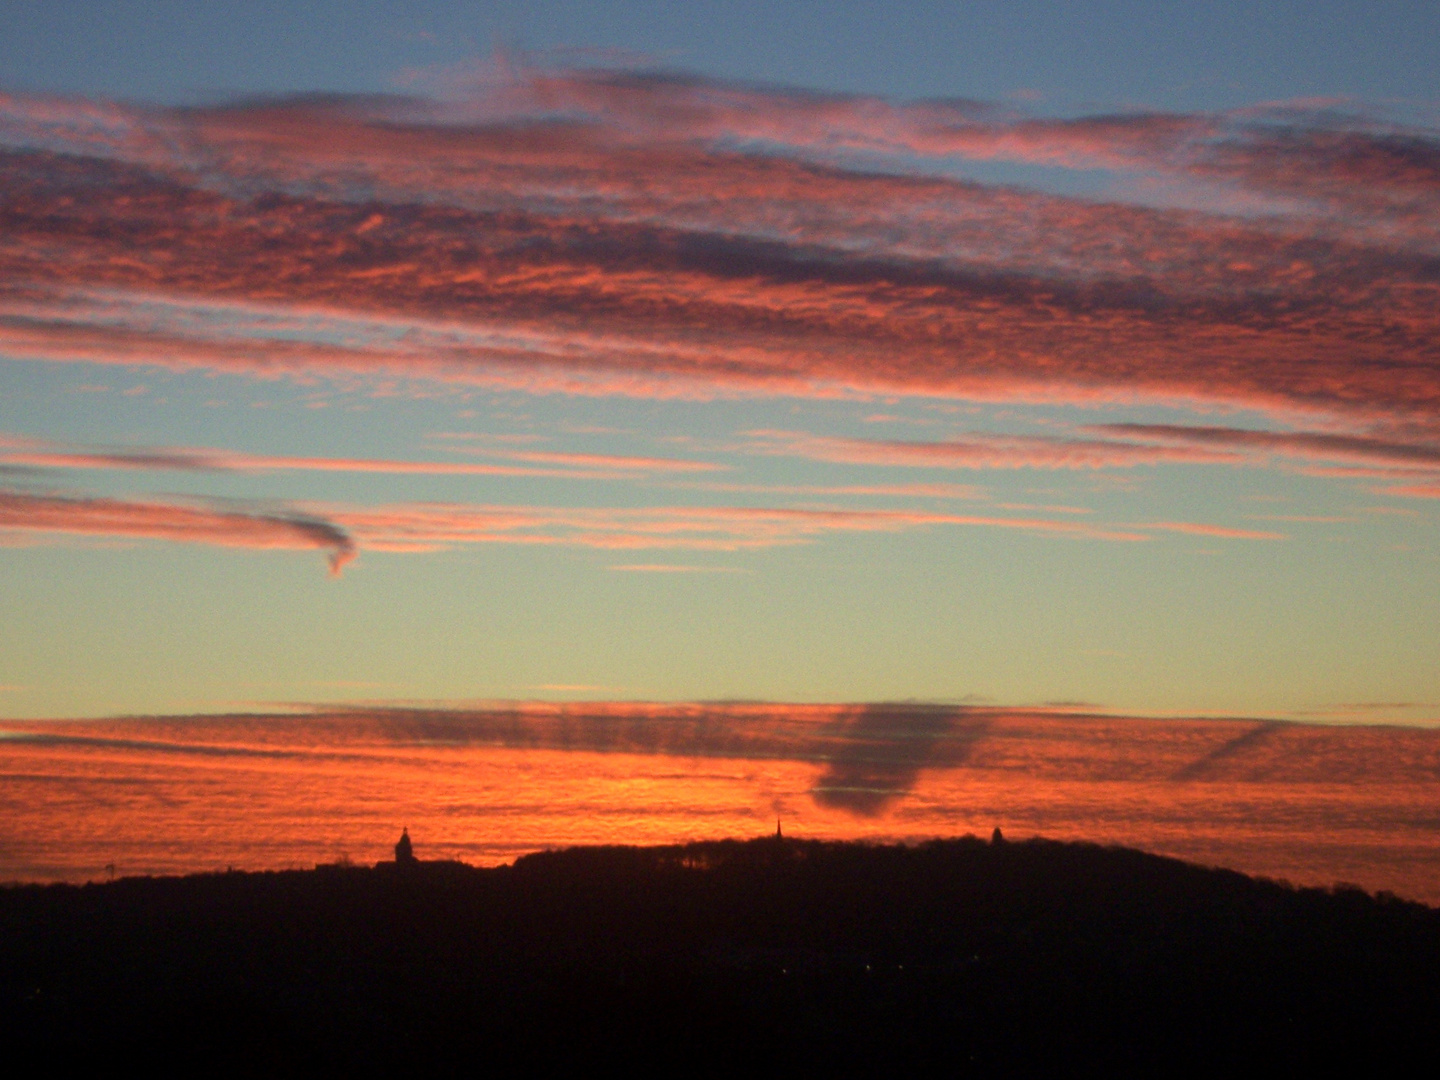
[[404, 852]]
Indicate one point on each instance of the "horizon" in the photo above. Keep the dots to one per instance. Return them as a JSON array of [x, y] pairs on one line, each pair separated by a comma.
[[1313, 804]]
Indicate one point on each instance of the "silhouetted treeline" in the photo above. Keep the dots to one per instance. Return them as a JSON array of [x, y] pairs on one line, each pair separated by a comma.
[[710, 957]]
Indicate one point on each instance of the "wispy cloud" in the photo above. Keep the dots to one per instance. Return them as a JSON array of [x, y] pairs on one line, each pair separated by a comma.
[[1422, 453], [615, 462], [154, 520], [1306, 519], [983, 450], [941, 490], [42, 454], [1409, 454], [433, 526], [613, 232], [1415, 491], [415, 527], [1329, 152], [1223, 532]]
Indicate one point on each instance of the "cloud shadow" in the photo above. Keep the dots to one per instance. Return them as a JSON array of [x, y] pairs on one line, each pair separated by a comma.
[[881, 748]]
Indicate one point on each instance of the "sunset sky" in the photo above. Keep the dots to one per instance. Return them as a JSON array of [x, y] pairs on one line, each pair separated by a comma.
[[995, 354], [428, 408]]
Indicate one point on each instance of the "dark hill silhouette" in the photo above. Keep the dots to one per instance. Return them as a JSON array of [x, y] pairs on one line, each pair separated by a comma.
[[775, 953]]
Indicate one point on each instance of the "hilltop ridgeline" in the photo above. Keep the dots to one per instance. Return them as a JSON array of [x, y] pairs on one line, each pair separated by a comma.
[[715, 956]]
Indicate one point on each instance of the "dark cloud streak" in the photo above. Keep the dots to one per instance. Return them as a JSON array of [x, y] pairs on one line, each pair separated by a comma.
[[172, 521], [1421, 454]]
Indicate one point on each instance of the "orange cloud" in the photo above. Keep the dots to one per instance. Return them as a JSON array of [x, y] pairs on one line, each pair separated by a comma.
[[432, 526], [1415, 491]]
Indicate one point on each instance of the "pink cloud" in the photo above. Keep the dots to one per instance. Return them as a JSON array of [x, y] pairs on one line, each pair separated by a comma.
[[1415, 491], [424, 527], [594, 232], [610, 461], [1310, 150], [38, 453], [1392, 453], [433, 526], [1222, 531], [983, 450], [962, 492], [175, 522]]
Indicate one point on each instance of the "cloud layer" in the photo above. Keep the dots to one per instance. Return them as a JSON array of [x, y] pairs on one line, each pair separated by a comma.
[[611, 232], [38, 453], [868, 755], [180, 794], [424, 527]]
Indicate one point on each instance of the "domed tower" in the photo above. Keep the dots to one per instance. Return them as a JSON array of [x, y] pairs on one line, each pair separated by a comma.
[[404, 853]]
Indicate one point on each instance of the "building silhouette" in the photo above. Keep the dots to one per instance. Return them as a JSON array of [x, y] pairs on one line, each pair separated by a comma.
[[404, 852]]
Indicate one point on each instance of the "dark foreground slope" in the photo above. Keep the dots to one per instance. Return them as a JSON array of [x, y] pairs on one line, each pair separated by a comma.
[[711, 956]]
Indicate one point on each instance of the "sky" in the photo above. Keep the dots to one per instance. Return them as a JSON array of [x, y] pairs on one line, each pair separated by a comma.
[[1308, 803], [1002, 356]]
